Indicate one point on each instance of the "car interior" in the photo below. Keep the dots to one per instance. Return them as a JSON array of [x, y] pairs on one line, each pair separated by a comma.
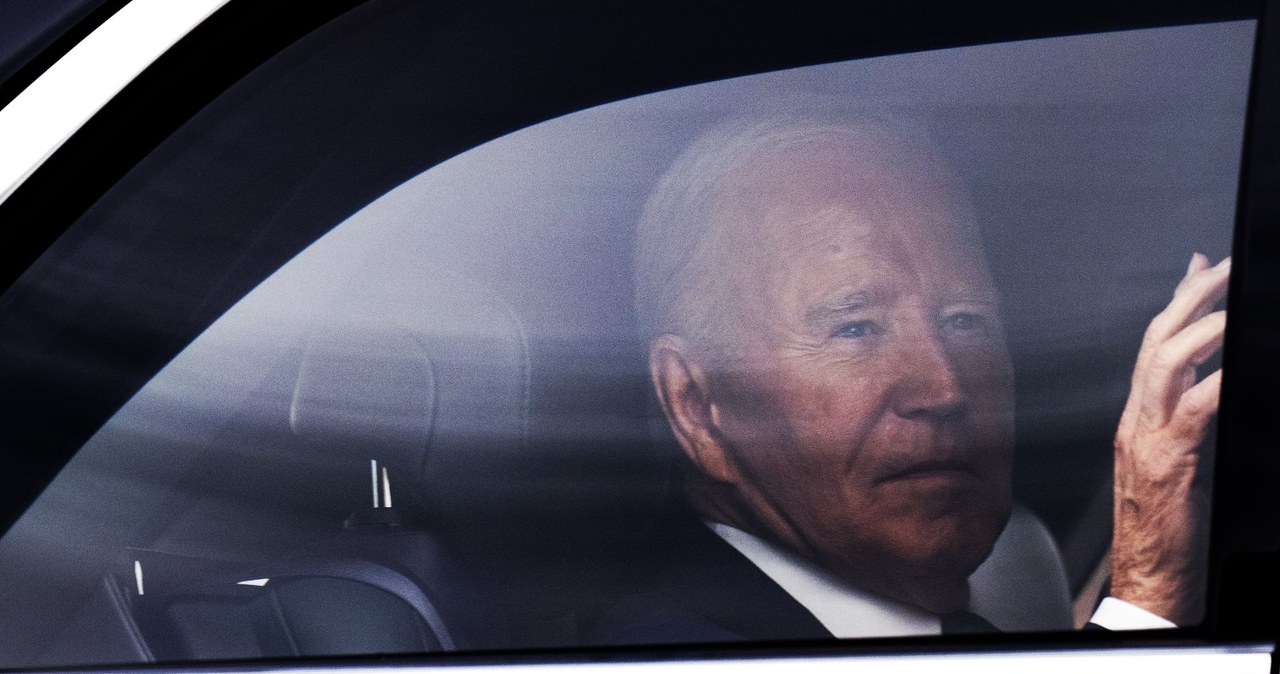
[[363, 377]]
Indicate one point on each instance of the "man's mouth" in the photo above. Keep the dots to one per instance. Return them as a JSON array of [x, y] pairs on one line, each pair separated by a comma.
[[939, 468]]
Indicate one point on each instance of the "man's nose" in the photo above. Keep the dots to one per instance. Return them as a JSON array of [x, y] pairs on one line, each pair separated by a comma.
[[928, 386]]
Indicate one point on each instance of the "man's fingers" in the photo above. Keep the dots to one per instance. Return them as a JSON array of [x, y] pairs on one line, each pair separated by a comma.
[[1198, 405], [1158, 509], [1199, 262], [1198, 292], [1169, 370]]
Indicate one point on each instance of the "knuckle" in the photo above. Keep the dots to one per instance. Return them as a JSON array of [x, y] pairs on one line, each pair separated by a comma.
[[1157, 325], [1200, 405], [1154, 335], [1165, 359]]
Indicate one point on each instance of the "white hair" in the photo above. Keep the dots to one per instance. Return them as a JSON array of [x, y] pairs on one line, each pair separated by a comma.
[[680, 272]]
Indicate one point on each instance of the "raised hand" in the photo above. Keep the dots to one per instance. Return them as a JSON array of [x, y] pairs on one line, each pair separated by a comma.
[[1161, 504]]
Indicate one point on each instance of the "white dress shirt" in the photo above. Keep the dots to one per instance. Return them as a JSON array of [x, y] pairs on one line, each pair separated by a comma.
[[849, 612]]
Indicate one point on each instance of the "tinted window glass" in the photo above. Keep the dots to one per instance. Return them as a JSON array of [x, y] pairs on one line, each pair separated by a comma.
[[806, 336]]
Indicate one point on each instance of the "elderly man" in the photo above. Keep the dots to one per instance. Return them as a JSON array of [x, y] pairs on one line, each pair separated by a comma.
[[825, 341]]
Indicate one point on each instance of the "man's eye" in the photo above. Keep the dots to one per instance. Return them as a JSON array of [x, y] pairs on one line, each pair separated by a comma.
[[963, 322], [855, 330]]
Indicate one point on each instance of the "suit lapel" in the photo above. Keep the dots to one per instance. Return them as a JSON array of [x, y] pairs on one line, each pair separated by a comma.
[[709, 578]]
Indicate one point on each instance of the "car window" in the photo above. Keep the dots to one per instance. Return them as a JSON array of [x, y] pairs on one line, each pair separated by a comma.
[[443, 411]]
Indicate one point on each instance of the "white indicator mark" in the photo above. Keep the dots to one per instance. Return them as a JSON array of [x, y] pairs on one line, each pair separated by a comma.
[[386, 489], [256, 582], [137, 575], [373, 468]]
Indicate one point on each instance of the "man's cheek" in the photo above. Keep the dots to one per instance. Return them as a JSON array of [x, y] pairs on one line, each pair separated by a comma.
[[923, 525], [985, 370]]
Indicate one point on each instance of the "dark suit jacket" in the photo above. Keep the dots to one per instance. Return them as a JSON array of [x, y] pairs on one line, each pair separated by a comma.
[[702, 590]]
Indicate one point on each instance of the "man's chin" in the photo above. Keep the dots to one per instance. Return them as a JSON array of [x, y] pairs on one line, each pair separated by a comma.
[[953, 546], [929, 562]]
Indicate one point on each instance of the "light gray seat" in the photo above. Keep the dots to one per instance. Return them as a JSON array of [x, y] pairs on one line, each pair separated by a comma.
[[1022, 586]]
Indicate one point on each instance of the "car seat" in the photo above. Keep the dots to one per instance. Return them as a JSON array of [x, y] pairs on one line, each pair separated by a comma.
[[1022, 585]]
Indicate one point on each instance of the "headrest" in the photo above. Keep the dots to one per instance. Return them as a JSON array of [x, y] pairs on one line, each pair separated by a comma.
[[429, 375], [362, 385]]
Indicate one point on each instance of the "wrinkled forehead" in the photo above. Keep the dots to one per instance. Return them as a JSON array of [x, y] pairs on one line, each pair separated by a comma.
[[878, 195]]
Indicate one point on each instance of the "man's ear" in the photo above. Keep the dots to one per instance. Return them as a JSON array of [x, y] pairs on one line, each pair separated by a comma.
[[683, 390]]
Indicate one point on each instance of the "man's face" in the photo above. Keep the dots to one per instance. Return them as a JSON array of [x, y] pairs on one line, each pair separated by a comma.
[[867, 406]]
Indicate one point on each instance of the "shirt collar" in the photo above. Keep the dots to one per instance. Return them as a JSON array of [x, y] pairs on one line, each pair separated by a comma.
[[846, 611]]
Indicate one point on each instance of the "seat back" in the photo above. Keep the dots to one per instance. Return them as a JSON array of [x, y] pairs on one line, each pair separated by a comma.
[[1022, 586]]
